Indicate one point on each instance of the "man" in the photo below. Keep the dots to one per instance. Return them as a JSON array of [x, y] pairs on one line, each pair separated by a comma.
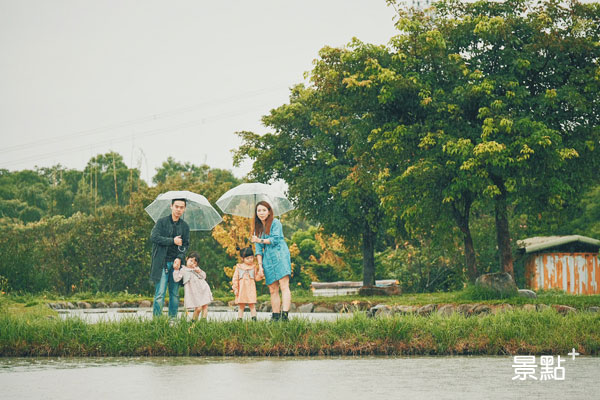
[[170, 239]]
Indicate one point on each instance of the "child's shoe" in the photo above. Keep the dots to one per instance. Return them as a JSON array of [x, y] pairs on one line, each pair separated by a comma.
[[253, 318], [284, 316], [275, 316]]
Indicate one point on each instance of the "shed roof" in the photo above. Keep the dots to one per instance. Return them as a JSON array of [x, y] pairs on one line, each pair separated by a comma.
[[539, 243]]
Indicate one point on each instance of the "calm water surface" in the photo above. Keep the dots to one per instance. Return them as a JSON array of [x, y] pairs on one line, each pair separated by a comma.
[[290, 378], [225, 314]]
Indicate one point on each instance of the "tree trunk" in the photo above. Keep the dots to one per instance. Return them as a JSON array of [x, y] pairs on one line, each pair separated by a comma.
[[368, 250], [502, 230], [470, 260], [462, 219]]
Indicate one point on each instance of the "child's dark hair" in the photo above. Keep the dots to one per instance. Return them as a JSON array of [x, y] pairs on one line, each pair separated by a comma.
[[245, 252], [194, 255]]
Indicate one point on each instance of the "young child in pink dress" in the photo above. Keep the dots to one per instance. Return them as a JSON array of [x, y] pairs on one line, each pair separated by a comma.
[[244, 282], [197, 294]]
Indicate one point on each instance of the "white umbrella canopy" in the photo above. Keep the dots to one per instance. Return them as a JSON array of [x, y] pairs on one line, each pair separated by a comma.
[[242, 199], [199, 214]]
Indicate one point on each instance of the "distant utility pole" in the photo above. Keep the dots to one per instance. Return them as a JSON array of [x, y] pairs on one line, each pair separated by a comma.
[[96, 183], [115, 178]]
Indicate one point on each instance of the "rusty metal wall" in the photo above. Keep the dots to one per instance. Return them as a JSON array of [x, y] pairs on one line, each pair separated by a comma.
[[576, 273]]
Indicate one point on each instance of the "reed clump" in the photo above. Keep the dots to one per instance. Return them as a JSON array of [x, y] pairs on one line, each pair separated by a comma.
[[512, 332]]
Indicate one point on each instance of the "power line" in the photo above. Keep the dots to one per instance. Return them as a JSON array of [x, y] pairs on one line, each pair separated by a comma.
[[148, 133], [94, 131]]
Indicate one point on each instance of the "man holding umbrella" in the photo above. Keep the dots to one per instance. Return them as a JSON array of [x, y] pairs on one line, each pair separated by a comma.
[[170, 239]]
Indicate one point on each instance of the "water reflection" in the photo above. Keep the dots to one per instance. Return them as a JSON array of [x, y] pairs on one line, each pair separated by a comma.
[[290, 378], [114, 314]]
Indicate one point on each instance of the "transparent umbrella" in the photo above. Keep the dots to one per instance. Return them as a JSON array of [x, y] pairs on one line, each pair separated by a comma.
[[242, 199], [199, 214]]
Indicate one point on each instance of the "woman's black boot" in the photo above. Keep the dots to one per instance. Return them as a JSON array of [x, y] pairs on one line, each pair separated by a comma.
[[284, 316], [275, 316], [253, 318]]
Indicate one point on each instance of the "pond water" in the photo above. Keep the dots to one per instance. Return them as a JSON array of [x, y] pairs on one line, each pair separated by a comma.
[[216, 314], [290, 378]]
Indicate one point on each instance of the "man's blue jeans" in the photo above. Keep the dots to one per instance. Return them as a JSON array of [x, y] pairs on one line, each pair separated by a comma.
[[166, 280]]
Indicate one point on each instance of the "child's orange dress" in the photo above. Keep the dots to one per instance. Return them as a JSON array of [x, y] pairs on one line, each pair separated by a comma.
[[244, 283]]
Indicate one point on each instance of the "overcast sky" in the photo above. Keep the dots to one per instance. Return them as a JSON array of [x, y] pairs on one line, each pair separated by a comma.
[[158, 78]]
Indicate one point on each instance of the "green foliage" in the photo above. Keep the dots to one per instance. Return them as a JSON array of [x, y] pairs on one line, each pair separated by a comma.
[[319, 146], [587, 220], [478, 293], [318, 257], [424, 267], [476, 114], [104, 249], [29, 196], [111, 182]]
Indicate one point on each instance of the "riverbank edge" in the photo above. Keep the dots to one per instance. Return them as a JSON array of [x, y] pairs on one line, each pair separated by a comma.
[[512, 332], [466, 309]]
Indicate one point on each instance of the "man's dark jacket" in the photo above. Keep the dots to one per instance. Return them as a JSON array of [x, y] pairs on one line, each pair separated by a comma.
[[162, 238]]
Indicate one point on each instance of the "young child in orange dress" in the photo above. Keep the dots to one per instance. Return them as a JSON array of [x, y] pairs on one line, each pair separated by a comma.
[[244, 282], [197, 294]]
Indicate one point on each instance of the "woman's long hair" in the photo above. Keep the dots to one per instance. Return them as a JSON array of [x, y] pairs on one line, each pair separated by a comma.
[[259, 228]]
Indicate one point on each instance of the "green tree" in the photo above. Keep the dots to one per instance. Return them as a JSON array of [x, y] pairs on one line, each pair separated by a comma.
[[318, 148], [540, 114], [111, 181], [172, 168], [587, 221], [527, 99]]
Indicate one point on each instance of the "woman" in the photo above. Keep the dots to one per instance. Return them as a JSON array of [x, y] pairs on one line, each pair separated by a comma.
[[273, 259]]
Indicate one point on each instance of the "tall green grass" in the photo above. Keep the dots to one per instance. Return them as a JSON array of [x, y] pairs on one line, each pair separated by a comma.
[[514, 332]]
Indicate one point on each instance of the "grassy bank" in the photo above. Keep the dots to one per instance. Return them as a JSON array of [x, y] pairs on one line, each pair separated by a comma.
[[514, 332]]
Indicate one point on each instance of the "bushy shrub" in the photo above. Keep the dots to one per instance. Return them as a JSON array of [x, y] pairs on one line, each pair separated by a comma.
[[421, 269]]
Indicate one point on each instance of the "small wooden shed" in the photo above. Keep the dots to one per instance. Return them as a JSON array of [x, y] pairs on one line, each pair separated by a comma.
[[569, 263]]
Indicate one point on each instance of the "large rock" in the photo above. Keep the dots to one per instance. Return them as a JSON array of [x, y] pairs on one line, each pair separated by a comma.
[[114, 304], [482, 309], [594, 309], [500, 282], [501, 308], [341, 307], [83, 305], [427, 309], [293, 307], [380, 310], [466, 309], [100, 304], [306, 308], [564, 309], [529, 307], [541, 307], [447, 310], [323, 309], [145, 304], [218, 303], [527, 293], [403, 310]]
